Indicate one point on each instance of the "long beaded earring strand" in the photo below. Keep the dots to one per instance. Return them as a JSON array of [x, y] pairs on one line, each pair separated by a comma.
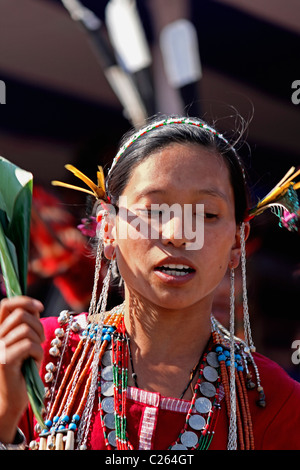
[[98, 264], [84, 426], [232, 435], [247, 327]]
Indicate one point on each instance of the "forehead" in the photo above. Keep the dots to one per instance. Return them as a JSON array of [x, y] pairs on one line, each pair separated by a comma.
[[181, 167]]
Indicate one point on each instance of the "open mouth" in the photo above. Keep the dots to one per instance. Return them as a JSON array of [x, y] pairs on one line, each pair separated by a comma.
[[175, 269]]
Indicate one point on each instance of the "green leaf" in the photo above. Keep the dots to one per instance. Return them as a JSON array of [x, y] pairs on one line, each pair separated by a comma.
[[15, 203], [15, 216], [8, 269], [35, 389]]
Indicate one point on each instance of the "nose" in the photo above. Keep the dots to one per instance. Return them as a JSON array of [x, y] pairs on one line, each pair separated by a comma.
[[173, 232]]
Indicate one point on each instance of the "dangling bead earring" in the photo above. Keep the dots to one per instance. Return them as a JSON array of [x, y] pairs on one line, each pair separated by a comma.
[[96, 316], [247, 327], [232, 435], [95, 307], [99, 256]]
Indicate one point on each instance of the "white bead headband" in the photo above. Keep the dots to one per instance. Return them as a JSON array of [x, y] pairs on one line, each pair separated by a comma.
[[163, 122]]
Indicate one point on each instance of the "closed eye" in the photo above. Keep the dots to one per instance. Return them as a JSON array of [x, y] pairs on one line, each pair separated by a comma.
[[150, 213]]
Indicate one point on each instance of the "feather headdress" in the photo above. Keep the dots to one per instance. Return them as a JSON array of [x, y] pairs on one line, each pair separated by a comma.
[[97, 190], [282, 200]]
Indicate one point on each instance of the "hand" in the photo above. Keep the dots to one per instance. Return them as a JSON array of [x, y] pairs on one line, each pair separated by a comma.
[[21, 335]]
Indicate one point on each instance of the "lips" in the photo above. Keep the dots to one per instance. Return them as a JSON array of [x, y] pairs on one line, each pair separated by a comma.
[[174, 270]]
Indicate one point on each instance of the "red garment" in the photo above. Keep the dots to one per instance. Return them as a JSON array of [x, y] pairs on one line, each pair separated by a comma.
[[276, 427]]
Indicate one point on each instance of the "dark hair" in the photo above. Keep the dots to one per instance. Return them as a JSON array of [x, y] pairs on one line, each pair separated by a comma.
[[168, 134]]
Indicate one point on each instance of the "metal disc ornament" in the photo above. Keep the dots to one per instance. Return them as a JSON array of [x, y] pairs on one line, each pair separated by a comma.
[[197, 422], [108, 405], [107, 373], [203, 405], [112, 438], [109, 420], [189, 439], [179, 447], [210, 373], [212, 359], [107, 359], [107, 389], [207, 389]]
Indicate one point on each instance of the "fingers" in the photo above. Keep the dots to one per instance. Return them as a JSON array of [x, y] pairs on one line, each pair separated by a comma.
[[27, 303], [22, 318], [21, 332], [18, 351], [21, 337]]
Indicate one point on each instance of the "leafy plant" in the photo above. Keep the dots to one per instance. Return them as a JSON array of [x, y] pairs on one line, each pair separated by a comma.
[[15, 214]]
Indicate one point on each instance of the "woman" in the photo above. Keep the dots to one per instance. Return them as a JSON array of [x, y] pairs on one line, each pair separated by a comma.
[[158, 372]]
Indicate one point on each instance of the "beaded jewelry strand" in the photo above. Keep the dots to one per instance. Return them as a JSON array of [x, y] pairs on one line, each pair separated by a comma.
[[187, 438], [63, 418], [197, 433], [244, 421]]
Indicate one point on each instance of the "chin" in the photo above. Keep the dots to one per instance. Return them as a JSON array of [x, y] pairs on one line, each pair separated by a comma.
[[171, 301]]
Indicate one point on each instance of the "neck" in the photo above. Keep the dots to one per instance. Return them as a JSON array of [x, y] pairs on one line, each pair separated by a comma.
[[165, 343]]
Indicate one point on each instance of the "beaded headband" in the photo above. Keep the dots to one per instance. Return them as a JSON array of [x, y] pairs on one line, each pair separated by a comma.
[[164, 122], [282, 199]]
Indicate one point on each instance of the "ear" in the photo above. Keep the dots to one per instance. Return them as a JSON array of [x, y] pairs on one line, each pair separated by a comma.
[[109, 240], [236, 248]]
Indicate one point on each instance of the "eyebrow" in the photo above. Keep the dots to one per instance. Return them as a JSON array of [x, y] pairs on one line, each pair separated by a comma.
[[214, 192]]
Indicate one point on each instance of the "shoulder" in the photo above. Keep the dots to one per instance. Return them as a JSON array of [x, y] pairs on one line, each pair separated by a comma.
[[276, 426], [51, 323], [59, 333], [275, 378]]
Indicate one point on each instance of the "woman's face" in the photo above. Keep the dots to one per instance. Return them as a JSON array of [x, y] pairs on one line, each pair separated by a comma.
[[163, 266]]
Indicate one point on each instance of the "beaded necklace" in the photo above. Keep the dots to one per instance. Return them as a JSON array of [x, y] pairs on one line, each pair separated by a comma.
[[202, 415], [66, 425], [134, 376], [206, 404]]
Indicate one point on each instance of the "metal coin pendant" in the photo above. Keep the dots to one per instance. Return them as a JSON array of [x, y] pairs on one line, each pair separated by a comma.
[[197, 422], [112, 438], [212, 359], [108, 404], [207, 389], [107, 389], [189, 439], [107, 359], [203, 405], [179, 447], [210, 374], [109, 420], [107, 373]]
